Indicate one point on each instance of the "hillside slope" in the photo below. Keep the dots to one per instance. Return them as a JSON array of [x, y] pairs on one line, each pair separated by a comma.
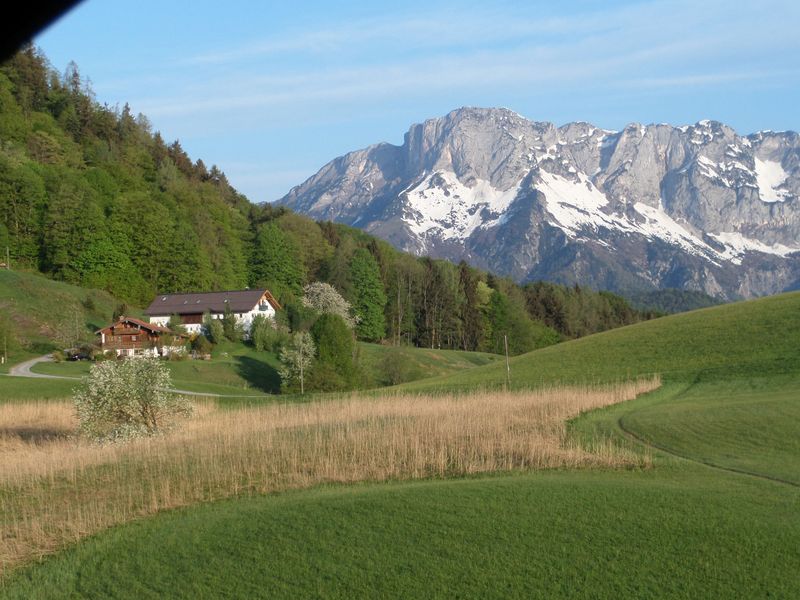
[[716, 516], [755, 338], [40, 315]]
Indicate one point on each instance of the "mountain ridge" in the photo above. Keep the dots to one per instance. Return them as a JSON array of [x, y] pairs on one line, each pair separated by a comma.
[[696, 207]]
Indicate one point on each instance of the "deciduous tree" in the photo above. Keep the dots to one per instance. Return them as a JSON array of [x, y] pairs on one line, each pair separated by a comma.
[[128, 398], [296, 360]]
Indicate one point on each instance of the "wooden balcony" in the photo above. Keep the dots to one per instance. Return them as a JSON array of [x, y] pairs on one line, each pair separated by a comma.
[[128, 345]]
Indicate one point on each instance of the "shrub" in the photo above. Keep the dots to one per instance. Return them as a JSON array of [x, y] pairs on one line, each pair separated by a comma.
[[89, 303], [178, 355], [213, 329], [394, 367], [175, 324], [129, 398], [323, 377], [262, 333], [58, 356], [201, 345], [232, 329], [335, 349]]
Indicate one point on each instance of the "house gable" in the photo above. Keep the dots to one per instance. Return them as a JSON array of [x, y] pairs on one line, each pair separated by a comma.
[[131, 336]]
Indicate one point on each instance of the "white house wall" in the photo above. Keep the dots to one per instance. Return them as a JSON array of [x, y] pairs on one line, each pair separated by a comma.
[[246, 319]]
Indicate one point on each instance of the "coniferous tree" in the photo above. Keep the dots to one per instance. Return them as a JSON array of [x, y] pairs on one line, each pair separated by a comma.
[[368, 296]]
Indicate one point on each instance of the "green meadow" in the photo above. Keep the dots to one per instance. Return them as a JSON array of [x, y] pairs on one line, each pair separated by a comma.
[[712, 510], [238, 369]]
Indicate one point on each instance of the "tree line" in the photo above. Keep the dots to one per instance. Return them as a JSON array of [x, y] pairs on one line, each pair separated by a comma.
[[91, 195]]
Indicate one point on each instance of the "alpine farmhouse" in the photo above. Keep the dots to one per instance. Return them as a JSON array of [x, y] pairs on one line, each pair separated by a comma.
[[244, 304], [133, 337]]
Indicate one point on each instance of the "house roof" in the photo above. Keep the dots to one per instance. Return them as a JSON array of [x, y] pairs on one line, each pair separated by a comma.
[[137, 322], [213, 302]]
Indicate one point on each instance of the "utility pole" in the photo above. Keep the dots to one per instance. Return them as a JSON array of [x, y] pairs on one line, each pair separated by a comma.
[[508, 365]]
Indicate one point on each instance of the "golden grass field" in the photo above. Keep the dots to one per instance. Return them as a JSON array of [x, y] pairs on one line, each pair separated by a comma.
[[56, 488]]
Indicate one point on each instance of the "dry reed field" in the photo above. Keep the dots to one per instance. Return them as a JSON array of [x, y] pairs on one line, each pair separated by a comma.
[[56, 488]]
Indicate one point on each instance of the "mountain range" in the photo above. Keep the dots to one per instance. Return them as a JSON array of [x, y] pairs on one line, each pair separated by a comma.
[[696, 207]]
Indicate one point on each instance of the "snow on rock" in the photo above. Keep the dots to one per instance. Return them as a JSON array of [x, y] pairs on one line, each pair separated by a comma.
[[770, 176], [736, 246], [575, 204], [658, 224], [443, 206], [442, 202], [708, 168]]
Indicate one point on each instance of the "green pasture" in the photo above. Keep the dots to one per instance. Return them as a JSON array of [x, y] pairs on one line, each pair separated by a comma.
[[716, 516]]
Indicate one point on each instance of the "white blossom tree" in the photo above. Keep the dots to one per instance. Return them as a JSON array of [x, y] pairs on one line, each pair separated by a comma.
[[128, 398], [296, 358], [324, 298]]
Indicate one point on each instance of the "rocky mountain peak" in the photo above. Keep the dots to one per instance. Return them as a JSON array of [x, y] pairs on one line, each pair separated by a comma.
[[696, 206]]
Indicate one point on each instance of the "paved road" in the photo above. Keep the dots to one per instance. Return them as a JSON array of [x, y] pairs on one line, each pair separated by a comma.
[[23, 369]]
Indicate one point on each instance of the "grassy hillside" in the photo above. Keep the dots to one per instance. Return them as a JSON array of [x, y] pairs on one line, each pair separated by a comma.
[[716, 515], [239, 369], [751, 425], [667, 534], [38, 311], [386, 365], [757, 338]]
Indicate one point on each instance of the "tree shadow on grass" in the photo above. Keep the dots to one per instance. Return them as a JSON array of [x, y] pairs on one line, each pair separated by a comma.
[[36, 435], [258, 374]]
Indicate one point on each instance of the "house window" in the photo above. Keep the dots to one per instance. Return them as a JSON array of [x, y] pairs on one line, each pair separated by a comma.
[[133, 338]]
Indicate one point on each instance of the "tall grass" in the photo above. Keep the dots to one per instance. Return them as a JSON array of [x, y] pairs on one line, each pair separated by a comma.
[[56, 488]]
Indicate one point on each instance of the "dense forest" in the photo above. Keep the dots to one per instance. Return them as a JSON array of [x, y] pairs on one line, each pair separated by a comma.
[[671, 300], [91, 195]]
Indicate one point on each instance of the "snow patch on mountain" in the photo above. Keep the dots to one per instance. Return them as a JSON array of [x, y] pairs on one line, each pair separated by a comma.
[[675, 189], [658, 224], [709, 168], [442, 203], [736, 246], [575, 204], [771, 176]]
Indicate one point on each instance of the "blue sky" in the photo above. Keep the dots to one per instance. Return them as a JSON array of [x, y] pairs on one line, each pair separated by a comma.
[[271, 91]]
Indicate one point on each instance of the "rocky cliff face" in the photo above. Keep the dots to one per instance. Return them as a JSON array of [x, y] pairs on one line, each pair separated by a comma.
[[695, 207]]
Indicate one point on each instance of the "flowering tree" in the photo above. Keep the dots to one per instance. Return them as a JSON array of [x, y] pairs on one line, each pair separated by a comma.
[[324, 298], [296, 358], [128, 398]]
